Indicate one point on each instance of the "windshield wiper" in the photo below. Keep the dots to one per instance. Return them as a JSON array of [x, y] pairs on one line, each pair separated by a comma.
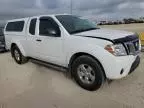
[[82, 30]]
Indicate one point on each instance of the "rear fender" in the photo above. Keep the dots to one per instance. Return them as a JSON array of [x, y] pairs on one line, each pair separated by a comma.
[[19, 45]]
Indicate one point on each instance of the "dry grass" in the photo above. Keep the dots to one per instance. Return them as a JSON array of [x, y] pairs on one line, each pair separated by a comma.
[[128, 27]]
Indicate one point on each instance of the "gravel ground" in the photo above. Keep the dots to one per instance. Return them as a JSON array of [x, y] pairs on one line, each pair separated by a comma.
[[35, 86]]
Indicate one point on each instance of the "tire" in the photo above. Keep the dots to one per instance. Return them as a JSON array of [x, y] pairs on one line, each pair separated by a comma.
[[21, 59], [95, 71]]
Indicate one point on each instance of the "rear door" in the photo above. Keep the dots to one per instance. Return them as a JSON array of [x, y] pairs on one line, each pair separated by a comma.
[[31, 37]]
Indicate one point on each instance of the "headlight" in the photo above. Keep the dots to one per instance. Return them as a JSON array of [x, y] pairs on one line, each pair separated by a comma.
[[117, 50]]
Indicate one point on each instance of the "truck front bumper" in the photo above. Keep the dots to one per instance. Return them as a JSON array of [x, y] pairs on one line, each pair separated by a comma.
[[119, 67], [135, 64]]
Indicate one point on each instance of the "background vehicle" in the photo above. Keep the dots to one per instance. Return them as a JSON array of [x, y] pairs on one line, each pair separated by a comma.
[[2, 40], [91, 54]]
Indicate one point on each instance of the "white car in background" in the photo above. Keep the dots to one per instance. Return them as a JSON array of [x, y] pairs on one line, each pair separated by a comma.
[[2, 40], [91, 54]]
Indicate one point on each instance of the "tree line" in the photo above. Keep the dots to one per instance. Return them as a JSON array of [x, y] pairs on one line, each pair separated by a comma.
[[123, 21]]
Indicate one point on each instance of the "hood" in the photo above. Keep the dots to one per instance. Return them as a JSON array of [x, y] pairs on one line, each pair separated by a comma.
[[106, 33]]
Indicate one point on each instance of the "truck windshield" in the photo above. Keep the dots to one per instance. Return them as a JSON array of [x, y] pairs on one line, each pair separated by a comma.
[[74, 24]]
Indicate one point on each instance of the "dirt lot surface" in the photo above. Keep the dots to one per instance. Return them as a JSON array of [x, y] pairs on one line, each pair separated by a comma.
[[35, 86]]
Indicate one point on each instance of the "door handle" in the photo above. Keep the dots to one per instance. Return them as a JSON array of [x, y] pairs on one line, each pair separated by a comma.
[[38, 40]]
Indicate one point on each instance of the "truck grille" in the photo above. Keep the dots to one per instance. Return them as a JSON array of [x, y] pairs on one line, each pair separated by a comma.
[[132, 47], [131, 44]]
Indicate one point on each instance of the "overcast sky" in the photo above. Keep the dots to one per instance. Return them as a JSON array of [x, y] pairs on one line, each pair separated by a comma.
[[96, 9]]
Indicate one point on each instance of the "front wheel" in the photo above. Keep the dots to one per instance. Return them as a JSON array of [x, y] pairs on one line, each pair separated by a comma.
[[88, 73], [17, 55]]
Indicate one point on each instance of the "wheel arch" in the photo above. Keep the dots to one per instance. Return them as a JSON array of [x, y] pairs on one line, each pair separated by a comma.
[[76, 55], [19, 46]]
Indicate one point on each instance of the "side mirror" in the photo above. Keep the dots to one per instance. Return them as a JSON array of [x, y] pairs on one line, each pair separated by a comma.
[[54, 32]]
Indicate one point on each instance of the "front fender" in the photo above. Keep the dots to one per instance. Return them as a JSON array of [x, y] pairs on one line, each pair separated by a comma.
[[98, 52]]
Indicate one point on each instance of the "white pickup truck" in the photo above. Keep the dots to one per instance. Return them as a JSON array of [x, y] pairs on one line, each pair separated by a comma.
[[91, 54]]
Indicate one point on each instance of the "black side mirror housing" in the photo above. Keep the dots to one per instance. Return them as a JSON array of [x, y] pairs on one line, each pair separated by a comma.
[[54, 32]]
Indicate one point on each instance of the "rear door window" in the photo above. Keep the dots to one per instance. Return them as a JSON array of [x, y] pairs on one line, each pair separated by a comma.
[[15, 26]]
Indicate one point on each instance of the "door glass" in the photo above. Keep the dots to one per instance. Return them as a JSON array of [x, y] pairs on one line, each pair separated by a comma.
[[48, 27], [32, 26]]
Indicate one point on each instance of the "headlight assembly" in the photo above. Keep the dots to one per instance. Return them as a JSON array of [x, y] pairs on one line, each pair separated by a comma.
[[117, 50]]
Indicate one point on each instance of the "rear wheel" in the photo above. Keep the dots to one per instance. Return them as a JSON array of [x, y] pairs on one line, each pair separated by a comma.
[[17, 55], [88, 73]]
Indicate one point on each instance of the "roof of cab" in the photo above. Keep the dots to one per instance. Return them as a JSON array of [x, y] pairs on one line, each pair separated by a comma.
[[26, 18], [20, 19]]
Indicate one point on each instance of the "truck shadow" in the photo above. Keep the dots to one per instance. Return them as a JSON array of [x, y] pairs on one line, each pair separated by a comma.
[[52, 67], [64, 71], [4, 51]]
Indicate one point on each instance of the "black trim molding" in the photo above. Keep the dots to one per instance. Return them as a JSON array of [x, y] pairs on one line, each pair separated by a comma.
[[97, 38]]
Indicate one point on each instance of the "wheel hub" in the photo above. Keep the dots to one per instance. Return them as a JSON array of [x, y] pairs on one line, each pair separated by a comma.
[[17, 55], [86, 74]]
